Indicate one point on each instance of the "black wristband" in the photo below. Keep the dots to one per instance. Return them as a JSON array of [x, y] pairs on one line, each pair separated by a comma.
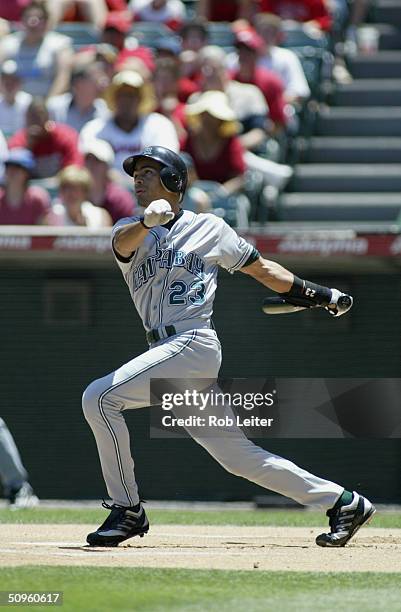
[[317, 294], [141, 220]]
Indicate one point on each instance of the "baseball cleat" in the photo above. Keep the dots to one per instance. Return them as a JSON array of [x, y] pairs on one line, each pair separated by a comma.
[[24, 497], [121, 524], [345, 521]]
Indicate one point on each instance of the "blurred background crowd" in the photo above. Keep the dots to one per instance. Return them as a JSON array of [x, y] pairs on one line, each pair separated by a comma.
[[229, 83]]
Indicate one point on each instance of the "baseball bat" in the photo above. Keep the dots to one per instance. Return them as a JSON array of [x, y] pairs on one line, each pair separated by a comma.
[[279, 305]]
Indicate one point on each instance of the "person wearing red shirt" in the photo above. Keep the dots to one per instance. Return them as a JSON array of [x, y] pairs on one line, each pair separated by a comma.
[[249, 44], [305, 11], [21, 204], [213, 143], [53, 145], [225, 10], [12, 11]]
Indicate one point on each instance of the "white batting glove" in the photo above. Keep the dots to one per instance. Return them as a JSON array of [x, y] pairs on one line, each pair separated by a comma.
[[157, 213], [340, 303]]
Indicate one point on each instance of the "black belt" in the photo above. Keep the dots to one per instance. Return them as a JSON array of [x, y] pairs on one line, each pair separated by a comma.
[[154, 336]]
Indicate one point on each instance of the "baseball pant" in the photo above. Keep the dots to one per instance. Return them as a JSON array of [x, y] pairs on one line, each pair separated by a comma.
[[193, 354], [12, 472]]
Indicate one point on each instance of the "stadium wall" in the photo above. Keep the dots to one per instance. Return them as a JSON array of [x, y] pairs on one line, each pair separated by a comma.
[[68, 319]]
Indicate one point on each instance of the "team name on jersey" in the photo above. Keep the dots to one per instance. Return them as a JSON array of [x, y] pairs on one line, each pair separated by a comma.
[[167, 259]]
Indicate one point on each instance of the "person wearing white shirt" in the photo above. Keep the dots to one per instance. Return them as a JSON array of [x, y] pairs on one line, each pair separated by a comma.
[[13, 101], [132, 126], [283, 62], [160, 11], [43, 56], [83, 103]]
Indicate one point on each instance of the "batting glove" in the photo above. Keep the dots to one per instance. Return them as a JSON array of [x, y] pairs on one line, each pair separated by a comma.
[[340, 303], [157, 213]]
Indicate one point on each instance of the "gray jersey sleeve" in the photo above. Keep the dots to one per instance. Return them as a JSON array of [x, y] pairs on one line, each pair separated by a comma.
[[233, 251], [123, 262]]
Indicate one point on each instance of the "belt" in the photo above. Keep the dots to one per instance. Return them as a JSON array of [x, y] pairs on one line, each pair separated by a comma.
[[161, 333]]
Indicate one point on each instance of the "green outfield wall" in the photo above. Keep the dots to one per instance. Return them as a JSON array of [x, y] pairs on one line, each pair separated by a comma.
[[65, 321]]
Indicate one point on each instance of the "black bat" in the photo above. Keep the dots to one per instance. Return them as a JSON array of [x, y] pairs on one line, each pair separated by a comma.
[[285, 305]]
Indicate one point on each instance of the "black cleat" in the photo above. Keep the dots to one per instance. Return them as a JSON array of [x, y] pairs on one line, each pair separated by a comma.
[[345, 521], [121, 524]]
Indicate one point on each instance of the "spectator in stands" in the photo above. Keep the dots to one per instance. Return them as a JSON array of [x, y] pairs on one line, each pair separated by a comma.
[[166, 84], [283, 62], [21, 204], [310, 12], [251, 111], [3, 154], [167, 48], [104, 192], [116, 28], [249, 44], [195, 198], [102, 54], [246, 100], [90, 11], [213, 142], [169, 12], [43, 57], [194, 35], [54, 145], [72, 206], [225, 10], [115, 33], [13, 101], [83, 103], [132, 125]]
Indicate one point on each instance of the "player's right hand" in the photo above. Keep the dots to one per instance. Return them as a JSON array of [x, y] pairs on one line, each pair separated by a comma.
[[157, 213]]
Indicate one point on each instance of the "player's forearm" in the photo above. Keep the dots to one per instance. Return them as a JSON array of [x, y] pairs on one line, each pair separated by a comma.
[[129, 238], [270, 274], [281, 280]]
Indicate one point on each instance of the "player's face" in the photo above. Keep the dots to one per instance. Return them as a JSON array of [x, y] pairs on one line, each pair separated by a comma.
[[147, 182]]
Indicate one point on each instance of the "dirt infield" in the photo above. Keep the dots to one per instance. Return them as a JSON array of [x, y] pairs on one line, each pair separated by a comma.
[[198, 547]]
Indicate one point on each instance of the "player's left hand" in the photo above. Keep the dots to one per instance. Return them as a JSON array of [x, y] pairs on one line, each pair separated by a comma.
[[340, 303]]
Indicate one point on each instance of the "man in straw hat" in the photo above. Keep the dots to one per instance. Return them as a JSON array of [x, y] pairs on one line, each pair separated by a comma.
[[169, 259], [133, 124]]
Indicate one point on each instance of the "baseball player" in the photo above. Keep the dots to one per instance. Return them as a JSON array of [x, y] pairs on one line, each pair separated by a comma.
[[13, 475], [169, 259]]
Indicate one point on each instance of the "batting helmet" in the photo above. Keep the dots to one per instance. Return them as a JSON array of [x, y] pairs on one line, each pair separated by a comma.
[[173, 174]]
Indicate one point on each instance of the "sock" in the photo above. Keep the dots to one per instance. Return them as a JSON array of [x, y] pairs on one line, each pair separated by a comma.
[[344, 500]]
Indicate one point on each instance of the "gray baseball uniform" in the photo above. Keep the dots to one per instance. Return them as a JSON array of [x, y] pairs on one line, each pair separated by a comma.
[[172, 279], [12, 472]]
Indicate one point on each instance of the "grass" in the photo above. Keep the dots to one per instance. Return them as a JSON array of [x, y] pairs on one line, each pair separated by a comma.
[[160, 590], [102, 589], [284, 518]]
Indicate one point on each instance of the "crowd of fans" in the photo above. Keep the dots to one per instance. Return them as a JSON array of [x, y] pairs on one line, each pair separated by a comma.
[[70, 113]]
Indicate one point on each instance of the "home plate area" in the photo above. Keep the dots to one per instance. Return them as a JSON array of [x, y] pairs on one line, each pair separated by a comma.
[[203, 547]]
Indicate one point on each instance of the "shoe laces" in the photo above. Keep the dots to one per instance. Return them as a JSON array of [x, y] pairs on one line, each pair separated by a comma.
[[113, 506], [340, 519]]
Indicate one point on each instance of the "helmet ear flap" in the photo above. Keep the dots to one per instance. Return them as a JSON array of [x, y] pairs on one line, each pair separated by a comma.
[[171, 180]]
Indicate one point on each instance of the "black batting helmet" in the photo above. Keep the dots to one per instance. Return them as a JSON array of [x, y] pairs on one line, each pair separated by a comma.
[[173, 175]]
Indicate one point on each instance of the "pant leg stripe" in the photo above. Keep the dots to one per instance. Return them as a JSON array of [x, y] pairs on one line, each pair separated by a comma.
[[108, 424]]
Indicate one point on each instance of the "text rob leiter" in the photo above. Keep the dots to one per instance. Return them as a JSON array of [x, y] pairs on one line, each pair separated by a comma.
[[213, 421]]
